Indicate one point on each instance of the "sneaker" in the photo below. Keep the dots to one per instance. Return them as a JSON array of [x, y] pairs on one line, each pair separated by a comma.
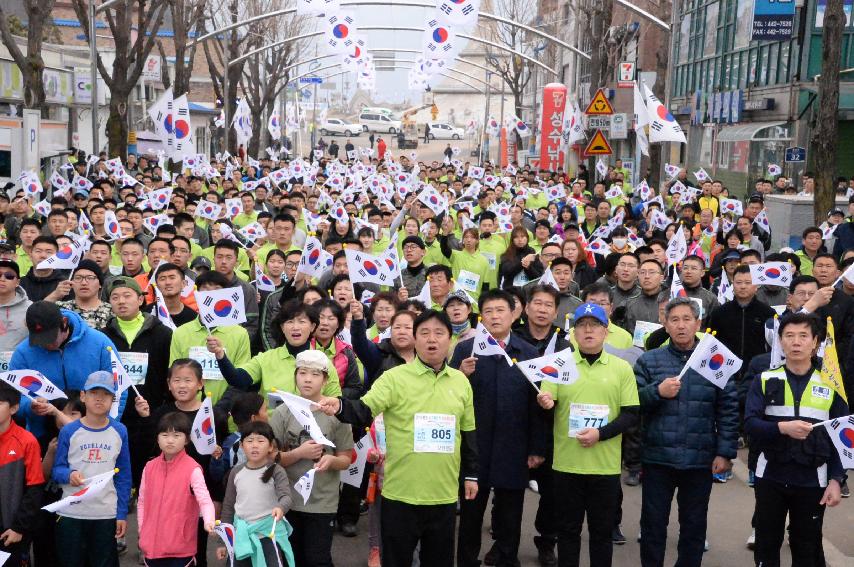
[[720, 478], [491, 557], [706, 546], [349, 530], [617, 536], [534, 486], [751, 541], [545, 552], [633, 478], [122, 546], [846, 493], [751, 478], [374, 557]]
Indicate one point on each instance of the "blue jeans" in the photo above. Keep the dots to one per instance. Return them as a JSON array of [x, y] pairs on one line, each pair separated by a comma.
[[693, 488]]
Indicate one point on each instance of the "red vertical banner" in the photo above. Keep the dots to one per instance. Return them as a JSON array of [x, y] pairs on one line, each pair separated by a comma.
[[502, 148], [551, 125]]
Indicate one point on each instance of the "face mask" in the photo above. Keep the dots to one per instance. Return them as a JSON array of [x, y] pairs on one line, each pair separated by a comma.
[[619, 243]]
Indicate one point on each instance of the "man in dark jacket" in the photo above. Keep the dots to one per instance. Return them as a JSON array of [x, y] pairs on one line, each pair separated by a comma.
[[140, 339], [740, 325], [510, 434], [839, 307], [540, 332], [690, 432], [644, 307]]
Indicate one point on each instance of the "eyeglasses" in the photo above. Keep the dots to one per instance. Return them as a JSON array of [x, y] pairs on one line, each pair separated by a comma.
[[291, 264], [9, 276], [82, 278]]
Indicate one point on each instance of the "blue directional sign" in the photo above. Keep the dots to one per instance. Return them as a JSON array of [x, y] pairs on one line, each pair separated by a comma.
[[311, 80], [796, 154]]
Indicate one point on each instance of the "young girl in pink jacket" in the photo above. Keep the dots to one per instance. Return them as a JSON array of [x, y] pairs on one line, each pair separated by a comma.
[[171, 495]]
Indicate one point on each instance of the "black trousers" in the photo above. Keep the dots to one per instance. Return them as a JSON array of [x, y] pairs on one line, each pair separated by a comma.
[[403, 526], [545, 521], [311, 539], [506, 526], [776, 501], [693, 488], [593, 496]]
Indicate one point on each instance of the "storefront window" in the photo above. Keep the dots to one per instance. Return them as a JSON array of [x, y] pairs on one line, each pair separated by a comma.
[[784, 61], [684, 36], [772, 63], [744, 24], [711, 26]]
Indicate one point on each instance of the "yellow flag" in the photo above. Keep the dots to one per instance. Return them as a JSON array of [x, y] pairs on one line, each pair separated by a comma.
[[831, 375]]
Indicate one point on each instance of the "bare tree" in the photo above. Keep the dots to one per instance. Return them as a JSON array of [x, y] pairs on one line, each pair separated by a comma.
[[512, 69], [187, 16], [224, 48], [134, 26], [826, 131], [264, 76], [31, 65]]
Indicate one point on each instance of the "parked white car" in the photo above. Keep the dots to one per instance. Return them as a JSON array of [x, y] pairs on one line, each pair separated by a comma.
[[444, 131], [338, 126], [374, 122]]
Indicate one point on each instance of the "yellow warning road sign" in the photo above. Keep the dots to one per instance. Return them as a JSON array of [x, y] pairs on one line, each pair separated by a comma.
[[598, 145], [599, 106]]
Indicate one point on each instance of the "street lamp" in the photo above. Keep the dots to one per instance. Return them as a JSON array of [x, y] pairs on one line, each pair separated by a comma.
[[93, 66]]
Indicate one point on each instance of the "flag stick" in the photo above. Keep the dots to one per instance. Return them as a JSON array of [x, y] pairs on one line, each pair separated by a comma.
[[132, 385]]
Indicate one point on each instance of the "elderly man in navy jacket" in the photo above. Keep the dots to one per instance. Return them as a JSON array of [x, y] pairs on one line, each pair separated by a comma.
[[510, 434], [690, 432]]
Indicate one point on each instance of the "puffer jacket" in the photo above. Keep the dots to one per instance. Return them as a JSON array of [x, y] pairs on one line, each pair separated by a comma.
[[690, 430]]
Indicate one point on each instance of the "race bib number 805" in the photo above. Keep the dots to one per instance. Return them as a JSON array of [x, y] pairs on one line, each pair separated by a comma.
[[435, 433]]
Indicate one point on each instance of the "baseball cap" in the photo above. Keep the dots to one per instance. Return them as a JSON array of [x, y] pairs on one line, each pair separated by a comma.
[[82, 193], [414, 240], [11, 265], [200, 262], [458, 295], [100, 379], [836, 212], [591, 310], [44, 320], [313, 360], [123, 281], [731, 255]]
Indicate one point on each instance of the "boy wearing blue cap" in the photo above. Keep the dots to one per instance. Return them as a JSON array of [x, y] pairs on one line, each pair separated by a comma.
[[95, 444], [590, 416]]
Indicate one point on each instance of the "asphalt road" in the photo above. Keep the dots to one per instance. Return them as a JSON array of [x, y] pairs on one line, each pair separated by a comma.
[[730, 510]]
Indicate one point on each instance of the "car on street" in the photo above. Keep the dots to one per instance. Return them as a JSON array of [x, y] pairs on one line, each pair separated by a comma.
[[444, 131], [334, 126], [377, 122]]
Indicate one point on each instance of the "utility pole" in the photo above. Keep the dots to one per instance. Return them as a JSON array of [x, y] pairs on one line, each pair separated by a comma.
[[483, 134]]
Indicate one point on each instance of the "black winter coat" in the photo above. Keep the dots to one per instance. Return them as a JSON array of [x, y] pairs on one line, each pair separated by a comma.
[[510, 424]]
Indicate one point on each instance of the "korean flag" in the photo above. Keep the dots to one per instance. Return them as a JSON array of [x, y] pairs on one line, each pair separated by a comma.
[[219, 307]]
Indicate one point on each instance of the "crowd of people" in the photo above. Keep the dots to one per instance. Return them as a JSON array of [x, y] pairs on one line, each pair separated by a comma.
[[416, 406]]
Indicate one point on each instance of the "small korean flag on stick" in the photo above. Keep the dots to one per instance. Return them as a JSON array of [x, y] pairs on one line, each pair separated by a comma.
[[226, 534], [262, 280], [485, 344], [713, 361], [111, 226], [558, 368], [841, 431], [162, 312], [353, 474], [33, 383], [772, 273], [203, 433], [364, 267], [218, 307], [91, 488]]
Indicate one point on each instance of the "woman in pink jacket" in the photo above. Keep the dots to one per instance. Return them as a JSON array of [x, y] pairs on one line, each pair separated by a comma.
[[171, 496]]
